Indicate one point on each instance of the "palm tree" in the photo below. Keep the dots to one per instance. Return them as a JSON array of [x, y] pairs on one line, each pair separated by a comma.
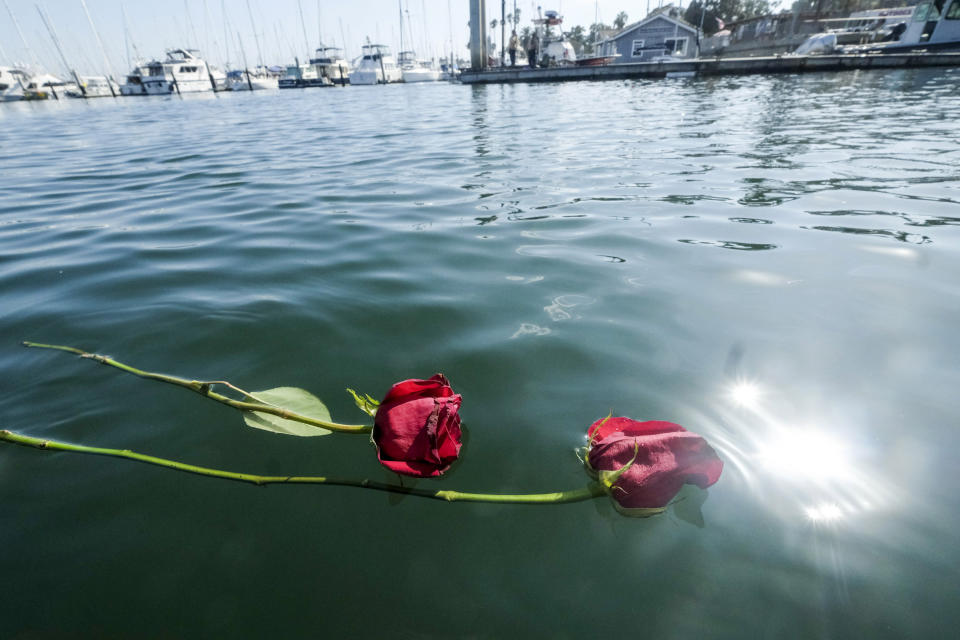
[[621, 20]]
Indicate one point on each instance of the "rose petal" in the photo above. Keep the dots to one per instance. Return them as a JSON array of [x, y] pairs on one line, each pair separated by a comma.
[[606, 426], [664, 456]]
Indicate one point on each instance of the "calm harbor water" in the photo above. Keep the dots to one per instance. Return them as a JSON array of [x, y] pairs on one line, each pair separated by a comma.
[[770, 261]]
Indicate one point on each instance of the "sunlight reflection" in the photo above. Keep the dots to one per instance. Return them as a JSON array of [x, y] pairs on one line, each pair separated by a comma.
[[745, 393], [804, 465], [826, 512], [801, 454]]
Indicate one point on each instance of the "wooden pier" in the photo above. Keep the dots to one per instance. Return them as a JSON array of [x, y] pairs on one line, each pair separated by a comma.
[[714, 67]]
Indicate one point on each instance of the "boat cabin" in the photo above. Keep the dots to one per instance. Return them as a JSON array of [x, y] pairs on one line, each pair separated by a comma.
[[934, 24]]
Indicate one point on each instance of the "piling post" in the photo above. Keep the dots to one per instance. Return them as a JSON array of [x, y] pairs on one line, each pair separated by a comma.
[[478, 35]]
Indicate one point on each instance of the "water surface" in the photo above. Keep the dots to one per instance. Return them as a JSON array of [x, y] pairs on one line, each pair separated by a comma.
[[770, 261]]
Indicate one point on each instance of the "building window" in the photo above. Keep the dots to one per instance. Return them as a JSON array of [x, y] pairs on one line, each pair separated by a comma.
[[675, 46], [637, 50]]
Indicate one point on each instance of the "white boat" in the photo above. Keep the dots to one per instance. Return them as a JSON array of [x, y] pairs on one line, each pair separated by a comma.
[[257, 80], [43, 86], [300, 76], [554, 47], [12, 83], [133, 84], [184, 71], [376, 66], [94, 87], [933, 25], [330, 63], [415, 70]]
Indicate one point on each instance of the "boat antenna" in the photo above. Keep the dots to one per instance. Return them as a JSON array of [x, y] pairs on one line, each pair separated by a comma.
[[56, 43], [3, 55], [103, 52], [13, 18]]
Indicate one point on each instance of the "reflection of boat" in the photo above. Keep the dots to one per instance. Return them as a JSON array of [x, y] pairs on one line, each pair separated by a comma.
[[415, 70], [12, 83], [184, 71], [376, 66]]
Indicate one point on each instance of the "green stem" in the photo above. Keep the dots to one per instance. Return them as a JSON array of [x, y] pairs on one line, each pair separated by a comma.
[[592, 490], [205, 389]]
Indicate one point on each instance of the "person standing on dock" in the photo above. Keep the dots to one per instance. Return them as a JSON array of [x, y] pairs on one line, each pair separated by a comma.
[[512, 48], [532, 48]]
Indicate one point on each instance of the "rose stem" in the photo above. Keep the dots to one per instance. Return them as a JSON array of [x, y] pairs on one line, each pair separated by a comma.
[[592, 490], [205, 389]]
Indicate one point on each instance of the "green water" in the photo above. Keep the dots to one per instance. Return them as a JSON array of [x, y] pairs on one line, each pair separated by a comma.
[[769, 261]]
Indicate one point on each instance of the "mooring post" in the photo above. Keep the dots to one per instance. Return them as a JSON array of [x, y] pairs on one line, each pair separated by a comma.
[[478, 35]]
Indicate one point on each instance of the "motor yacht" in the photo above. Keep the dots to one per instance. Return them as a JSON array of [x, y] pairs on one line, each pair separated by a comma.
[[376, 66], [330, 63], [416, 70], [183, 71]]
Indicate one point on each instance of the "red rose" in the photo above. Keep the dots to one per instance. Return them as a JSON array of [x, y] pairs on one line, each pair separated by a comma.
[[417, 429], [660, 458]]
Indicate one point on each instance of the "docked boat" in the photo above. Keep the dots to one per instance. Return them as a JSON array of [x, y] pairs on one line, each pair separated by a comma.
[[183, 71], [301, 76], [413, 69], [43, 86], [376, 66], [328, 62], [555, 49], [133, 83], [12, 83], [933, 25], [257, 80], [94, 87]]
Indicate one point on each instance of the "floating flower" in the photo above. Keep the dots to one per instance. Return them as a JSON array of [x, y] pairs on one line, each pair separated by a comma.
[[644, 464], [417, 428]]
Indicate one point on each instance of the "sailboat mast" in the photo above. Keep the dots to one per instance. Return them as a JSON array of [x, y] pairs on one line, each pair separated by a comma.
[[56, 43], [303, 25], [106, 62], [13, 18], [400, 4], [253, 26]]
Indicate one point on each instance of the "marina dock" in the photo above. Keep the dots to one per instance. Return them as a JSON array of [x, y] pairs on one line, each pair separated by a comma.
[[714, 67]]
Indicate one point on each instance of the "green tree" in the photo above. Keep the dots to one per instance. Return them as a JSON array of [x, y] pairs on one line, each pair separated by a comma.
[[577, 37], [621, 20], [726, 10]]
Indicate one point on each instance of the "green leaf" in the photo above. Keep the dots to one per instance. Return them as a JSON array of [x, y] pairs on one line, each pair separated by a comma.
[[294, 400], [365, 403]]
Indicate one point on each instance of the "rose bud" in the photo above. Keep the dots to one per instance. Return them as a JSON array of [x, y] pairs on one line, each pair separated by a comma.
[[417, 429], [644, 464]]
